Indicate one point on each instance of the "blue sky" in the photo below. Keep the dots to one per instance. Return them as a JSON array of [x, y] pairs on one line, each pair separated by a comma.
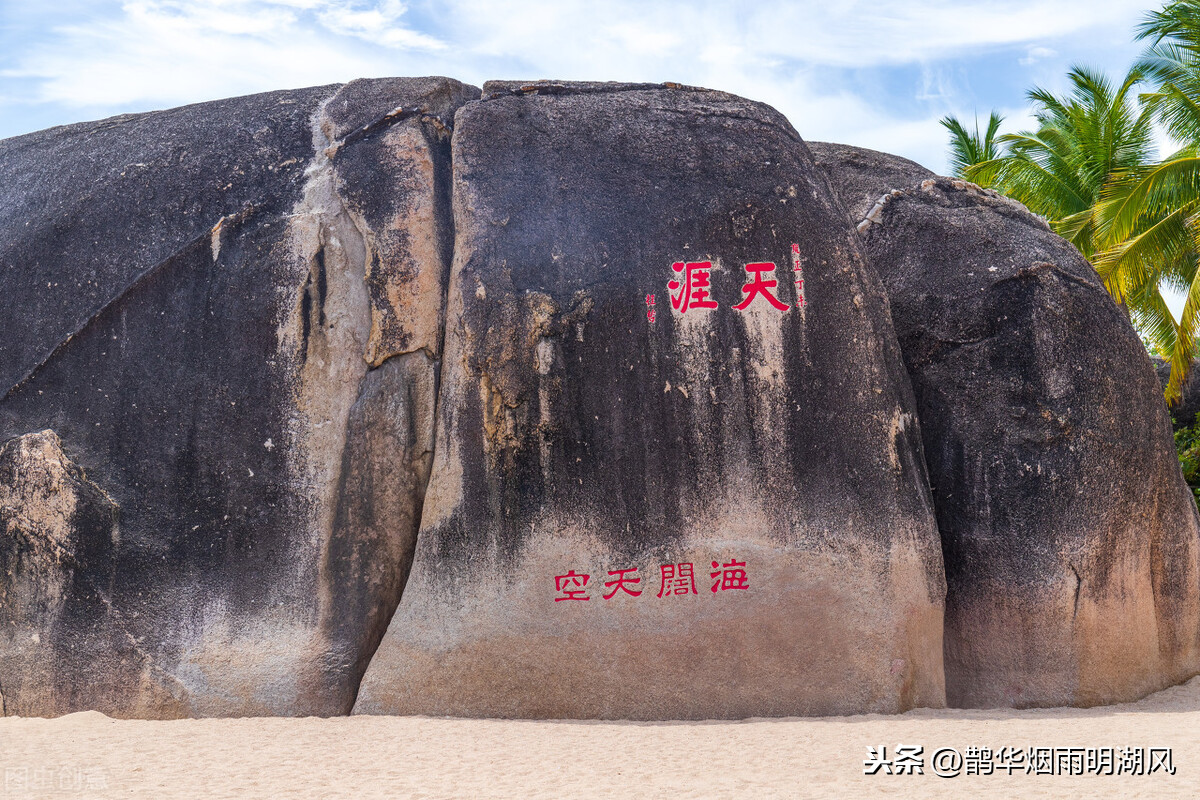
[[877, 74]]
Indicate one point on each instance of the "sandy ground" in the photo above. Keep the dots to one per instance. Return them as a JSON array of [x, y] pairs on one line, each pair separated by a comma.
[[90, 755]]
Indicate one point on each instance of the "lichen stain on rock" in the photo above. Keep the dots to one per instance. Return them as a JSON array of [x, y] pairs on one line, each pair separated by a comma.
[[51, 518], [900, 422], [406, 294], [41, 492], [517, 360], [709, 655], [325, 335]]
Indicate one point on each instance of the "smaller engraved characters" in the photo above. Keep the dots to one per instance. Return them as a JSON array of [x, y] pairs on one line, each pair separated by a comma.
[[798, 269], [675, 580], [731, 575], [571, 586]]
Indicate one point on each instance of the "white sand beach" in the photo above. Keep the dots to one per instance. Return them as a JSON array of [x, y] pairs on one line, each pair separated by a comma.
[[91, 756]]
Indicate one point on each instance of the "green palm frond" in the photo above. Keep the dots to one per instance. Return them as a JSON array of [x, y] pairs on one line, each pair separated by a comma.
[[1172, 62], [1082, 139], [1179, 20], [1185, 339], [1132, 197], [1086, 168], [967, 148], [1176, 101], [1152, 316], [1137, 261]]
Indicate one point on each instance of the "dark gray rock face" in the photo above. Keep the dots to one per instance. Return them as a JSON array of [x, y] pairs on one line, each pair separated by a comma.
[[1183, 413], [1071, 542], [861, 177], [695, 513], [228, 316]]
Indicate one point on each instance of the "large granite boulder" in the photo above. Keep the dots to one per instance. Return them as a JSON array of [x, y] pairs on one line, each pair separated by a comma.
[[669, 467], [218, 375], [647, 508], [1071, 541]]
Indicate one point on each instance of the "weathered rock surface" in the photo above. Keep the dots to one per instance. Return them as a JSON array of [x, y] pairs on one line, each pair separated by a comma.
[[1183, 413], [226, 413], [577, 437], [1071, 542], [229, 316], [861, 177], [57, 534]]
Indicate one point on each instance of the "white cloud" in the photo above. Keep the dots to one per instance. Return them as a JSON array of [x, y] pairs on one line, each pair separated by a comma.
[[846, 34], [639, 39], [1035, 54], [171, 51], [787, 53], [935, 85], [860, 33], [379, 24]]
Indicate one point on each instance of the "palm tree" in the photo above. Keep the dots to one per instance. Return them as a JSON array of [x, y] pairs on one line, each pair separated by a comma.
[[1173, 62], [968, 149], [1148, 218], [1059, 170]]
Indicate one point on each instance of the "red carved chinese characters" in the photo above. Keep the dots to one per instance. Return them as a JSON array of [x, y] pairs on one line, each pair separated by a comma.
[[564, 584], [729, 576], [651, 302], [758, 286], [694, 291], [799, 270], [677, 579], [692, 286], [622, 583]]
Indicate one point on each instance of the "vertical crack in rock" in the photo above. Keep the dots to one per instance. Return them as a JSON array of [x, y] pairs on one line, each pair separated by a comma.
[[438, 135], [406, 385], [1077, 592], [390, 181], [312, 301], [385, 471], [326, 331]]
